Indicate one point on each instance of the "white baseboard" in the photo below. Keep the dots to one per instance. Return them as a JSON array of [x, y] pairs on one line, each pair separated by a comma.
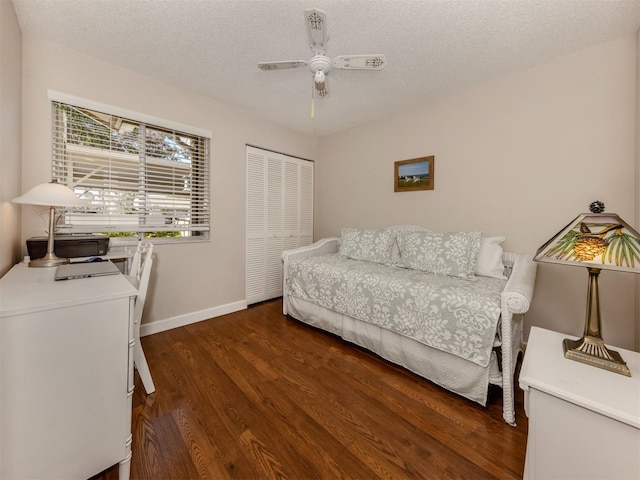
[[189, 318]]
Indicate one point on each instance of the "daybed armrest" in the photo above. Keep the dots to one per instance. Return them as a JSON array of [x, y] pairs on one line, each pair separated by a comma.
[[516, 298], [518, 291], [321, 247]]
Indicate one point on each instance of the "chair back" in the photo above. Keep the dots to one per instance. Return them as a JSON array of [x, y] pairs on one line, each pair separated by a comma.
[[139, 275], [143, 251]]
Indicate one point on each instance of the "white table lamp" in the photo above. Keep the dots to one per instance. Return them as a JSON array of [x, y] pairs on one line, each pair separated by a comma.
[[52, 195]]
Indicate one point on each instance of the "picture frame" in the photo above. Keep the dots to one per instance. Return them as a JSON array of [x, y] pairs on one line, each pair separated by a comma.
[[414, 174]]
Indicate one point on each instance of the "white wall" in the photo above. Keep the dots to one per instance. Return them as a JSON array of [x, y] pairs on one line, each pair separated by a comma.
[[10, 131], [519, 155], [191, 280]]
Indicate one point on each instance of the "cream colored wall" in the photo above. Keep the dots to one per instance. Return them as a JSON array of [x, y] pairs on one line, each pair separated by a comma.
[[519, 155], [10, 132], [188, 278], [637, 197]]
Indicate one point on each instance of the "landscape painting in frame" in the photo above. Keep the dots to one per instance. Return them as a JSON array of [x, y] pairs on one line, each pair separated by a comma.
[[414, 174]]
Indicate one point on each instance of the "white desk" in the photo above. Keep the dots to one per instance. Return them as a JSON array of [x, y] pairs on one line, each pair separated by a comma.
[[66, 373], [584, 422]]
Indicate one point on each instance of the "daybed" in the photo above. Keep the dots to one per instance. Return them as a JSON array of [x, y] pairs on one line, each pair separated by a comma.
[[442, 305]]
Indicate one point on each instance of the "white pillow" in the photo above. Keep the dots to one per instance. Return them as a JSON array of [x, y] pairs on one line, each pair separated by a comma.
[[489, 263]]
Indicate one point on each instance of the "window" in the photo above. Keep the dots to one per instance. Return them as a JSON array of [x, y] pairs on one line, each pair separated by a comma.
[[138, 180]]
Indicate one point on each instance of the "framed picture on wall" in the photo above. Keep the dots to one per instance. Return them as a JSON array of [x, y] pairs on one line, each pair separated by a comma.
[[414, 174]]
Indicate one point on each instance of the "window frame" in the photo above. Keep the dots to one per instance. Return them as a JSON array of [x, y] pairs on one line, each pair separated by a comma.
[[202, 207]]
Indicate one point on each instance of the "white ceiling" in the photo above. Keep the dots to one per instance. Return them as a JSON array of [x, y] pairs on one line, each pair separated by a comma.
[[432, 47]]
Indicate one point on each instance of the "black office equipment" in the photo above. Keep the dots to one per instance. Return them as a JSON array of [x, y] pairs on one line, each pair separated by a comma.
[[69, 246]]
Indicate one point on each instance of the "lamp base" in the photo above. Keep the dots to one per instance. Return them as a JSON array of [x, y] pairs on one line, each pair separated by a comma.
[[49, 260], [592, 351]]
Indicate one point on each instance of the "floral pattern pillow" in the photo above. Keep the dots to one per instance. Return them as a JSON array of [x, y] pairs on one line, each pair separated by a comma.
[[373, 245], [454, 254]]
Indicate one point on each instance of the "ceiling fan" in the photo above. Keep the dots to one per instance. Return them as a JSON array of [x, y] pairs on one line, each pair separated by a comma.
[[320, 65]]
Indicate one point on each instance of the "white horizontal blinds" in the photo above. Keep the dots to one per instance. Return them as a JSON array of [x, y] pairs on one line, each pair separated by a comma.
[[100, 166], [171, 181], [133, 177]]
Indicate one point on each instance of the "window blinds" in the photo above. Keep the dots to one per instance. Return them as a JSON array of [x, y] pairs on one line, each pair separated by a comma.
[[134, 177]]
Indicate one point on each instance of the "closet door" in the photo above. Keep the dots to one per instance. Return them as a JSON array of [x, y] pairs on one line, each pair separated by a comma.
[[279, 217], [291, 217], [305, 216], [275, 199], [256, 226]]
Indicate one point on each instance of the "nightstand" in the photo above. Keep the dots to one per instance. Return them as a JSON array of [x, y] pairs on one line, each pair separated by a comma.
[[584, 422]]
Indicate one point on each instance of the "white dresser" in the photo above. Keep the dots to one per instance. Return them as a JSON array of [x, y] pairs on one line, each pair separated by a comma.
[[584, 422], [66, 374]]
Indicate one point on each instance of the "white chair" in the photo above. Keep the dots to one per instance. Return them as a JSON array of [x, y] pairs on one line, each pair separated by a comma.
[[139, 274]]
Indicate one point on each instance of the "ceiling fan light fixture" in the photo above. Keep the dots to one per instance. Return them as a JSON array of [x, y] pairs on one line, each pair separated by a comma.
[[319, 78]]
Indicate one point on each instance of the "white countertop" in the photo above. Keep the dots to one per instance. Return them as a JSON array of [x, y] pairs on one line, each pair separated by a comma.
[[545, 369], [27, 289]]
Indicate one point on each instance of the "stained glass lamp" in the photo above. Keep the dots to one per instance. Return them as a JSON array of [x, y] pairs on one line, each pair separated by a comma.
[[597, 241]]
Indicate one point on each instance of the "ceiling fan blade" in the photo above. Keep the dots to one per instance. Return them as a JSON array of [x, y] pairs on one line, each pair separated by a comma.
[[266, 66], [317, 30], [360, 62]]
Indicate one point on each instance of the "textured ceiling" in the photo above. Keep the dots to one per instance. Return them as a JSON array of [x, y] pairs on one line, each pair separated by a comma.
[[432, 47]]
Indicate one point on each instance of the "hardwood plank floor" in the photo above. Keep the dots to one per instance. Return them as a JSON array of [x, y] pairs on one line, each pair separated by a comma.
[[256, 395]]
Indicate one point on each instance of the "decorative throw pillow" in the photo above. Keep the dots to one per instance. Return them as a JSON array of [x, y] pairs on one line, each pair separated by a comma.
[[395, 251], [372, 245], [489, 262], [454, 254]]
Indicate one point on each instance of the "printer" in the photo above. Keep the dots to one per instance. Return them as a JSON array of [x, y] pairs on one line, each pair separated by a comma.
[[69, 246]]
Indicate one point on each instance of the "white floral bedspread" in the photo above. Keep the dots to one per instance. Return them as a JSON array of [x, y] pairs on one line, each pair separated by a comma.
[[451, 314]]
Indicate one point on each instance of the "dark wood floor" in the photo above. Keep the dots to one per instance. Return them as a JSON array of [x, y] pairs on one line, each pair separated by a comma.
[[256, 395]]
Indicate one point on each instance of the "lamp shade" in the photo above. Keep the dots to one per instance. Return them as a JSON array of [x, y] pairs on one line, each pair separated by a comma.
[[597, 240], [50, 194]]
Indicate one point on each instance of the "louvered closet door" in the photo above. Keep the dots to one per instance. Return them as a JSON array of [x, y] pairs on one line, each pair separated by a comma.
[[256, 225], [279, 217], [275, 204], [291, 204], [305, 225]]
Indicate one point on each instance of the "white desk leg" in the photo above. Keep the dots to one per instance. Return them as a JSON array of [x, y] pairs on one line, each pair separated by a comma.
[[124, 469]]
